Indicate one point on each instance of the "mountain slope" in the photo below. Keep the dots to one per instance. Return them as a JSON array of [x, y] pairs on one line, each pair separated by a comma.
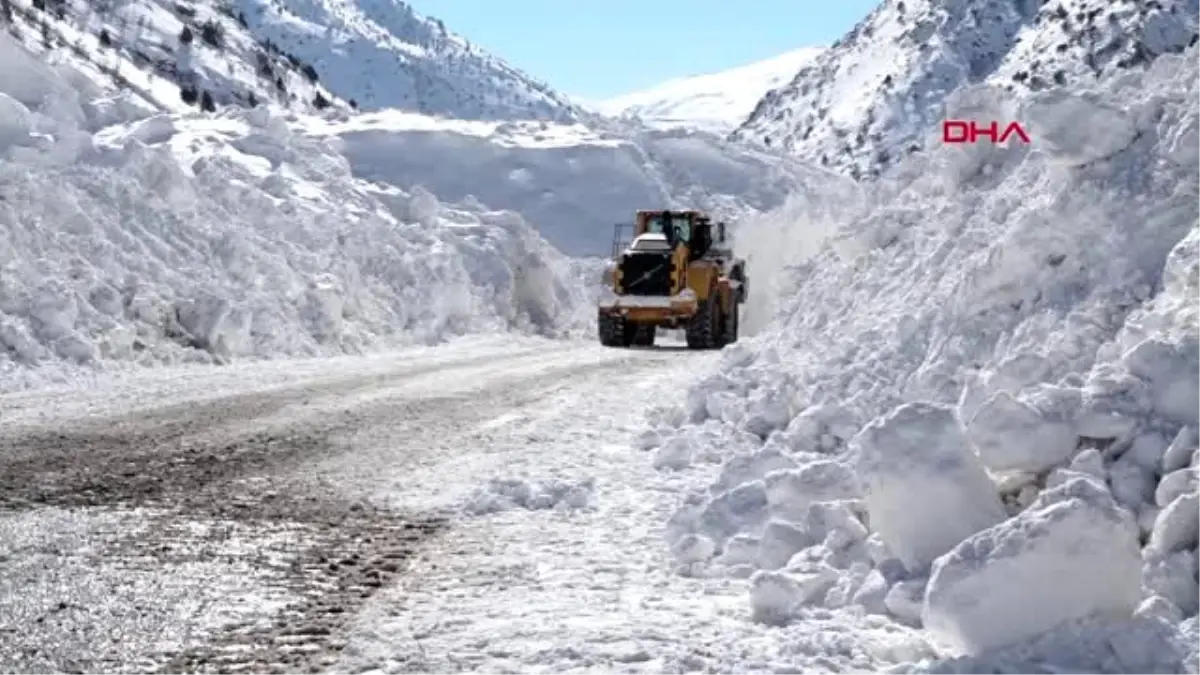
[[877, 93], [175, 55], [382, 54], [716, 102]]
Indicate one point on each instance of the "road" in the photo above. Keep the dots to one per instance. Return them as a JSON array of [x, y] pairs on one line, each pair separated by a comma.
[[240, 518]]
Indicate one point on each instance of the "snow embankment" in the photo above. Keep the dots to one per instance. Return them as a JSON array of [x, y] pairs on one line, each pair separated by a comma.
[[974, 408], [571, 182], [130, 237]]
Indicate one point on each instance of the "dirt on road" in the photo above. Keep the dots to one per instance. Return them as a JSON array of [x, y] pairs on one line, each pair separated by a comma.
[[227, 532]]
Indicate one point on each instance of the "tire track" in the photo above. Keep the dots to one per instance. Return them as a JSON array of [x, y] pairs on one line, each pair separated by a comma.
[[248, 485]]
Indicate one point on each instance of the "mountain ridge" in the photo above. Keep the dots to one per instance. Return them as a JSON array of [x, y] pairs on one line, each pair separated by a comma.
[[875, 94]]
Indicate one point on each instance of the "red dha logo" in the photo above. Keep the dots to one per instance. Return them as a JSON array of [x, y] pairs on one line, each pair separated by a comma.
[[967, 131]]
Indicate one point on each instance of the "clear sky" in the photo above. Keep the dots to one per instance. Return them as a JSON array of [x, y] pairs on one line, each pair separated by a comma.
[[595, 49]]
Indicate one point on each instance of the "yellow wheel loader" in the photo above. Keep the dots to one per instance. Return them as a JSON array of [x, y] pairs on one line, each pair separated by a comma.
[[675, 270]]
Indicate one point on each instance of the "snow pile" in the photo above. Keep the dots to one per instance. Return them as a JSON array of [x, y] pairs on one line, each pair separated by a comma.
[[570, 181], [162, 239], [715, 102], [975, 408], [506, 494]]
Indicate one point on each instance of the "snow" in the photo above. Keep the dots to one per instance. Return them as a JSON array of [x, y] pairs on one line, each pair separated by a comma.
[[384, 55], [925, 490], [714, 102], [1000, 345], [206, 239], [146, 59], [991, 590], [879, 93], [571, 181], [587, 588]]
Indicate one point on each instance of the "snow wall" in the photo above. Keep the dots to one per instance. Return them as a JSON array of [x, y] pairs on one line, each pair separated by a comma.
[[570, 182], [971, 405], [127, 237]]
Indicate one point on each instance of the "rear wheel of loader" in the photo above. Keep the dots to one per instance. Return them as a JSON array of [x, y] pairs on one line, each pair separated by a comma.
[[614, 331], [703, 331], [643, 335]]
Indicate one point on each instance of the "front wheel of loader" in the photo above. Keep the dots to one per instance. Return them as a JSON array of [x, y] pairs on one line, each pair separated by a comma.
[[614, 331], [731, 326], [703, 331]]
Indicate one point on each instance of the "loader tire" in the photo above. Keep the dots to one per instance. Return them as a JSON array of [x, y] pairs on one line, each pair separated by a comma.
[[643, 335], [614, 331], [703, 331], [732, 321]]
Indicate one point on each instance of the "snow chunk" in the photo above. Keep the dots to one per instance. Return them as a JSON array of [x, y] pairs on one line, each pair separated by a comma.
[[1073, 554], [775, 596], [1176, 526], [1174, 578], [1065, 127], [505, 494], [790, 491], [925, 490], [1012, 434]]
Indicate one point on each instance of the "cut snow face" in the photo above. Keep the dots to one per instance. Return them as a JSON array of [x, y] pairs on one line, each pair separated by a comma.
[[972, 406], [163, 239], [570, 181]]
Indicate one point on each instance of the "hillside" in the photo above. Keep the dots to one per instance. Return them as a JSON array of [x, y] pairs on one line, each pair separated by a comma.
[[307, 56], [714, 102], [175, 56], [972, 405], [382, 54], [878, 93]]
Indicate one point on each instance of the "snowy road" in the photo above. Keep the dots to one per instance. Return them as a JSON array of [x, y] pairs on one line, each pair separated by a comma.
[[475, 506]]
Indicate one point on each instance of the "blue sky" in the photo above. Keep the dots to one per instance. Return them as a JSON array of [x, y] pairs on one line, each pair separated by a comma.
[[596, 49]]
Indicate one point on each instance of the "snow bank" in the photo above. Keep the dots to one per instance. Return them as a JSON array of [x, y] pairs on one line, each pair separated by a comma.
[[166, 239], [571, 182], [975, 339]]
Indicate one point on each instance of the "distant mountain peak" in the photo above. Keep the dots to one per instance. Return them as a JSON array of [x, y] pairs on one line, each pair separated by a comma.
[[716, 102]]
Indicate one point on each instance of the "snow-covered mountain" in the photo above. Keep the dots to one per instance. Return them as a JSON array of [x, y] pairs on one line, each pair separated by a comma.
[[306, 55], [973, 403], [875, 95], [177, 56], [382, 54], [716, 102]]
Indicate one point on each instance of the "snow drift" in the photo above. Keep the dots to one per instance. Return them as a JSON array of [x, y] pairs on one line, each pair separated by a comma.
[[999, 345], [127, 236]]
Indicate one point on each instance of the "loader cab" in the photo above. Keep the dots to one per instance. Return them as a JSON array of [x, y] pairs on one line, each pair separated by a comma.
[[676, 226]]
